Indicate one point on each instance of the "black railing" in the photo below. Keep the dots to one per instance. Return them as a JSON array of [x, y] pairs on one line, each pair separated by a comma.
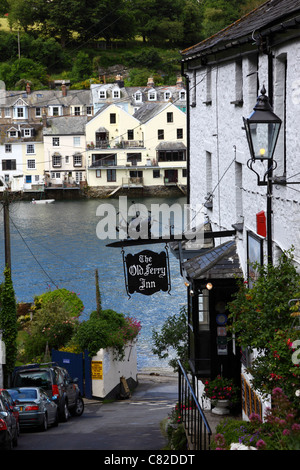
[[192, 416]]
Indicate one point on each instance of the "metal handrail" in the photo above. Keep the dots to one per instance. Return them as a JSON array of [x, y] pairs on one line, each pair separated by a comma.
[[193, 418]]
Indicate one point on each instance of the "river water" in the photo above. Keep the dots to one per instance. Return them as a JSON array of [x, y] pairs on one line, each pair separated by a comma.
[[56, 246]]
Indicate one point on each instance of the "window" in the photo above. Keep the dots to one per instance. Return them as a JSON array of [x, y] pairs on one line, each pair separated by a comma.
[[77, 159], [116, 94], [104, 160], [7, 113], [9, 165], [184, 173], [8, 148], [55, 110], [31, 164], [112, 118], [130, 134], [28, 178], [77, 110], [98, 173], [134, 158], [136, 174], [67, 158], [168, 95], [20, 112], [169, 117], [55, 141], [26, 132], [12, 133], [111, 176], [138, 97], [152, 95], [179, 133], [30, 149], [89, 110], [171, 156], [182, 95], [56, 160], [102, 94], [160, 134], [78, 176], [76, 141], [156, 173], [38, 112]]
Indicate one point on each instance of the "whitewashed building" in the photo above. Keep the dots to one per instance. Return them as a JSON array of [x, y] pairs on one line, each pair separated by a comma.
[[225, 75]]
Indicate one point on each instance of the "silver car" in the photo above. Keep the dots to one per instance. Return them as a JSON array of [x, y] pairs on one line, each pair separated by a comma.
[[36, 409]]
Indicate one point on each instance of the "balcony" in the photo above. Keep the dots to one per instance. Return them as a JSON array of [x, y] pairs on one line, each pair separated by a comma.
[[133, 182]]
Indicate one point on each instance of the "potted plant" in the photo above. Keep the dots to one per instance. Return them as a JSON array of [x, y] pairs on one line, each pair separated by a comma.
[[223, 394]]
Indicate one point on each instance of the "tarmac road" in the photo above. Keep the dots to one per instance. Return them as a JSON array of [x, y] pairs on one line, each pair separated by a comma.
[[121, 425]]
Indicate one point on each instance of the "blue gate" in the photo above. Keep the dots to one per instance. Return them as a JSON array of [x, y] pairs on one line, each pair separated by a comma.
[[78, 366]]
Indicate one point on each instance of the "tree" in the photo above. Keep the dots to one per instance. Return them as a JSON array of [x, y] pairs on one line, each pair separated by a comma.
[[173, 338], [8, 323]]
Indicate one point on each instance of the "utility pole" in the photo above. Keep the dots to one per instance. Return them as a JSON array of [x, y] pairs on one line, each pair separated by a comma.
[[6, 230], [98, 295]]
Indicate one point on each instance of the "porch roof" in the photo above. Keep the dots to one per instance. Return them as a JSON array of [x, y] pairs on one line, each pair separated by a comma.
[[216, 263]]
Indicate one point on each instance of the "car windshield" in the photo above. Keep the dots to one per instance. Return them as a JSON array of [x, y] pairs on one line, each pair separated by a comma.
[[37, 378], [23, 393]]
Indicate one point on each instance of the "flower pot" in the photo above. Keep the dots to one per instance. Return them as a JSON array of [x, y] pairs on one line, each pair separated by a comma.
[[221, 407]]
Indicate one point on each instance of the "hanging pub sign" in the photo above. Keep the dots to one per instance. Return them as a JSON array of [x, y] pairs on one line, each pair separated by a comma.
[[147, 272]]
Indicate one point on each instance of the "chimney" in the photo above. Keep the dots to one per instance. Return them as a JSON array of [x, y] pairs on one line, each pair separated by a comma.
[[120, 81], [179, 82], [64, 89], [28, 90], [150, 82]]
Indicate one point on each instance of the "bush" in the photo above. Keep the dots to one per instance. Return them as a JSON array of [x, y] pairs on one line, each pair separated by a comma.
[[106, 329]]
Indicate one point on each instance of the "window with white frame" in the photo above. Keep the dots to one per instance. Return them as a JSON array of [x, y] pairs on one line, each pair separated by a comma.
[[116, 93], [76, 141], [182, 95], [138, 97], [7, 112], [168, 95], [31, 164], [77, 159], [102, 94], [55, 141], [8, 148], [55, 110], [77, 110], [89, 110], [78, 176], [151, 95], [30, 149], [12, 132], [56, 160]]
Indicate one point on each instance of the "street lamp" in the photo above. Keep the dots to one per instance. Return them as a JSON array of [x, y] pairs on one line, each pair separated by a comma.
[[262, 130]]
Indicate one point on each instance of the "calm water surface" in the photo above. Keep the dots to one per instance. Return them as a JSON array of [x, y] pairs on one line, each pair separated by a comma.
[[55, 245]]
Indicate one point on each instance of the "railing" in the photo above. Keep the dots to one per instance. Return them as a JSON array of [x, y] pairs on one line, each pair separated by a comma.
[[194, 421]]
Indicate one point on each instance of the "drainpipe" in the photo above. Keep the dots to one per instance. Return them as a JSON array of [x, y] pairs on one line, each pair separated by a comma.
[[187, 129]]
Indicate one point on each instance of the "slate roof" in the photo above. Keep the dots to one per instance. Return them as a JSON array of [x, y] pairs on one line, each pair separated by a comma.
[[149, 111], [44, 98], [66, 125], [274, 16], [217, 263]]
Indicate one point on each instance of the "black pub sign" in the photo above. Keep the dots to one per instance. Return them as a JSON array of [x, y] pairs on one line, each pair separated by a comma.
[[147, 272]]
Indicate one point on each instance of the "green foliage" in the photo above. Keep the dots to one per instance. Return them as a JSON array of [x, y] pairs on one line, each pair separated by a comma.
[[23, 69], [8, 322], [175, 431], [279, 431], [52, 326], [261, 319], [106, 329], [221, 388], [173, 337], [82, 67], [72, 304]]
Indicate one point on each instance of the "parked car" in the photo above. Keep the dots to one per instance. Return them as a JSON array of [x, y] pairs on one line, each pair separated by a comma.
[[36, 409], [8, 427], [56, 382], [10, 404]]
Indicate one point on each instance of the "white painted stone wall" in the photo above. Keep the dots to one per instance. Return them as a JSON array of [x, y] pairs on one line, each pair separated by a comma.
[[114, 369], [217, 136]]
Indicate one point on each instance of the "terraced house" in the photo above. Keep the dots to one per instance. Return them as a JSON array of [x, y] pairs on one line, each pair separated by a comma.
[[108, 137]]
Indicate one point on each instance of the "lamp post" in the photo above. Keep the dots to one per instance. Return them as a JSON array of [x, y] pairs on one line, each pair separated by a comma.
[[262, 130]]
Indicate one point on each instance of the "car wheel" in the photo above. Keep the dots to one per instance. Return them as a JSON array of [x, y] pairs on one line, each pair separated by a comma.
[[78, 408], [44, 425], [65, 412]]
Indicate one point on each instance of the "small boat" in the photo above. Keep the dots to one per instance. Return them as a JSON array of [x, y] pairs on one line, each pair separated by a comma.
[[43, 201]]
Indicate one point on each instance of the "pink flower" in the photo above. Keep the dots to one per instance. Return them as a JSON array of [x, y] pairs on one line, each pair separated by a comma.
[[260, 444]]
